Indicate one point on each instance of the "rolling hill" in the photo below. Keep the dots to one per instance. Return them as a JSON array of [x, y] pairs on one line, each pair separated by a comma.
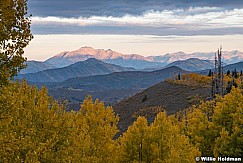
[[172, 97], [231, 67], [193, 64], [238, 66], [127, 79], [109, 88], [36, 66], [84, 68]]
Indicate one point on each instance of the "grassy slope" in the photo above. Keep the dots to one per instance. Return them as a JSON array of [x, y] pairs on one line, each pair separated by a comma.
[[172, 96]]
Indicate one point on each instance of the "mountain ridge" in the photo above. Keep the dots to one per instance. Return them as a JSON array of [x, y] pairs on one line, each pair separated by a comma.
[[36, 66], [109, 88], [193, 64], [66, 58], [135, 60], [88, 67]]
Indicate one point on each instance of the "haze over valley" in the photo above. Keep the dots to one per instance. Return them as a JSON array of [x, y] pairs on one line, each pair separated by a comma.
[[112, 76]]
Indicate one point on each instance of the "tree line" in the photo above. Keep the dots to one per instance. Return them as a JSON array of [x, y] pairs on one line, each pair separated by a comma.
[[35, 128]]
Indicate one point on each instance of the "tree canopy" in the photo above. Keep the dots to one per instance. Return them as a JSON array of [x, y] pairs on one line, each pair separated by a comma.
[[15, 35], [35, 128]]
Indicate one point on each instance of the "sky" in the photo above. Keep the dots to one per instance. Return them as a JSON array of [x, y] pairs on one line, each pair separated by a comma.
[[146, 27]]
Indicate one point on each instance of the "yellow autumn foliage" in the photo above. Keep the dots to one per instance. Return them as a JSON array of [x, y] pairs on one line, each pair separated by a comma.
[[35, 128]]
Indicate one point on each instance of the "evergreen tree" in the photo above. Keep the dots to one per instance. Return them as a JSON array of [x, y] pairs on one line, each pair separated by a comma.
[[235, 74], [179, 76], [234, 83], [228, 87], [144, 98], [210, 73], [228, 73]]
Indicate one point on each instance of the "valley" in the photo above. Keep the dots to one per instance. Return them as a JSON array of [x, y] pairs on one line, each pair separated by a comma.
[[106, 87], [116, 80], [112, 76]]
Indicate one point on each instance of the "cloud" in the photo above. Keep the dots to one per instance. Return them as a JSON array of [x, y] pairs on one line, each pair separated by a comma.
[[118, 8], [157, 17], [198, 18]]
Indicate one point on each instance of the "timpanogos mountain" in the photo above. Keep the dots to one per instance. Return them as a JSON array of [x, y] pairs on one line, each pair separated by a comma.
[[134, 60]]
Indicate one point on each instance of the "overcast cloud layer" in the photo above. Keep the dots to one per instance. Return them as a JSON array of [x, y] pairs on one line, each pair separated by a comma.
[[150, 17], [118, 8]]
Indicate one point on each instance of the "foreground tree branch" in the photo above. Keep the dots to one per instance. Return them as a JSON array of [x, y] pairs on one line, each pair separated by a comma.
[[15, 35]]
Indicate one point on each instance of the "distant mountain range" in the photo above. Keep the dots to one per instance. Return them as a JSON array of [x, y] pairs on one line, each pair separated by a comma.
[[228, 57], [238, 66], [87, 61], [108, 82], [132, 60], [36, 66], [127, 79], [83, 68], [109, 88], [135, 60], [193, 64], [139, 62]]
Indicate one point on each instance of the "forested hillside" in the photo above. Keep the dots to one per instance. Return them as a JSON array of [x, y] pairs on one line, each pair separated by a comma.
[[89, 67], [37, 129], [166, 95]]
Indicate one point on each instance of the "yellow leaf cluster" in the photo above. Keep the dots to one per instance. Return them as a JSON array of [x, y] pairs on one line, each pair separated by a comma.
[[162, 141], [34, 128], [216, 126]]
